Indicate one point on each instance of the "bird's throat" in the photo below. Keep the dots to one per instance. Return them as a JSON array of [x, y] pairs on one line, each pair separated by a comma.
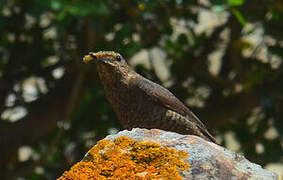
[[115, 80]]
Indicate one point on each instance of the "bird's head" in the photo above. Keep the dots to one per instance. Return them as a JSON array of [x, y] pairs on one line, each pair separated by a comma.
[[109, 63], [109, 58]]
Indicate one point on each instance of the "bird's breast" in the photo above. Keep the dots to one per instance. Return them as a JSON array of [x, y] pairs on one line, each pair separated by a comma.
[[128, 103]]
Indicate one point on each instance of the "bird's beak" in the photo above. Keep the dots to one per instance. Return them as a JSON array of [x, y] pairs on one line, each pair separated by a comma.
[[87, 58], [91, 56]]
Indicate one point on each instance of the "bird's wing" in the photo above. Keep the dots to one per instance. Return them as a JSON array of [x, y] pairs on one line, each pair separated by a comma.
[[165, 98]]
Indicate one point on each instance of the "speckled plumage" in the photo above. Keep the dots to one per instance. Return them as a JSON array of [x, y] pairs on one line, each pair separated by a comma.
[[139, 102]]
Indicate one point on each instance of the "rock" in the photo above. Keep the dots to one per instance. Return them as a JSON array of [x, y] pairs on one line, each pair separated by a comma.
[[157, 153], [207, 160]]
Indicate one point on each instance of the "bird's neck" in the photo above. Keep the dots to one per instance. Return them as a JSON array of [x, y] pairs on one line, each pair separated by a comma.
[[116, 85], [113, 77]]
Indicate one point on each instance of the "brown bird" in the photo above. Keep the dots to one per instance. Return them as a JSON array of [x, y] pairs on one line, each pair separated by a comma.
[[139, 102]]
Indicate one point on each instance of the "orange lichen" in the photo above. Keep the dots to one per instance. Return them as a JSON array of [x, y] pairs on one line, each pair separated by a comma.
[[123, 158]]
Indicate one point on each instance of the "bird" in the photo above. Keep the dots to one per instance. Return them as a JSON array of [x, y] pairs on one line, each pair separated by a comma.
[[141, 103]]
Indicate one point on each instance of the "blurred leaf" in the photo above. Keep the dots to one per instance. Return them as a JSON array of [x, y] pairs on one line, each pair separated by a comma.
[[236, 2], [239, 16], [276, 50], [255, 77], [61, 15], [3, 3], [84, 8], [132, 48], [182, 39], [168, 29], [56, 4], [218, 2], [242, 44]]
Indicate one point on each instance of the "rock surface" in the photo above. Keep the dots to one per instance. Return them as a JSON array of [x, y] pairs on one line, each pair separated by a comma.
[[207, 160]]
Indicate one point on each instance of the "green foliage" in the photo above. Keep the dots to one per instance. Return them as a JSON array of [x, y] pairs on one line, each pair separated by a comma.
[[41, 72], [236, 2], [239, 16]]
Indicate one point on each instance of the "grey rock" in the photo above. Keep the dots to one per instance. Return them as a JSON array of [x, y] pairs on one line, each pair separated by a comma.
[[207, 160]]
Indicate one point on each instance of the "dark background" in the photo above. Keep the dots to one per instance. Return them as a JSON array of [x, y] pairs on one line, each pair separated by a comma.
[[222, 58]]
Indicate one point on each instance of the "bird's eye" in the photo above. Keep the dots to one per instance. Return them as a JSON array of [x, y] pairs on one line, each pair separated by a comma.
[[118, 58], [93, 56]]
